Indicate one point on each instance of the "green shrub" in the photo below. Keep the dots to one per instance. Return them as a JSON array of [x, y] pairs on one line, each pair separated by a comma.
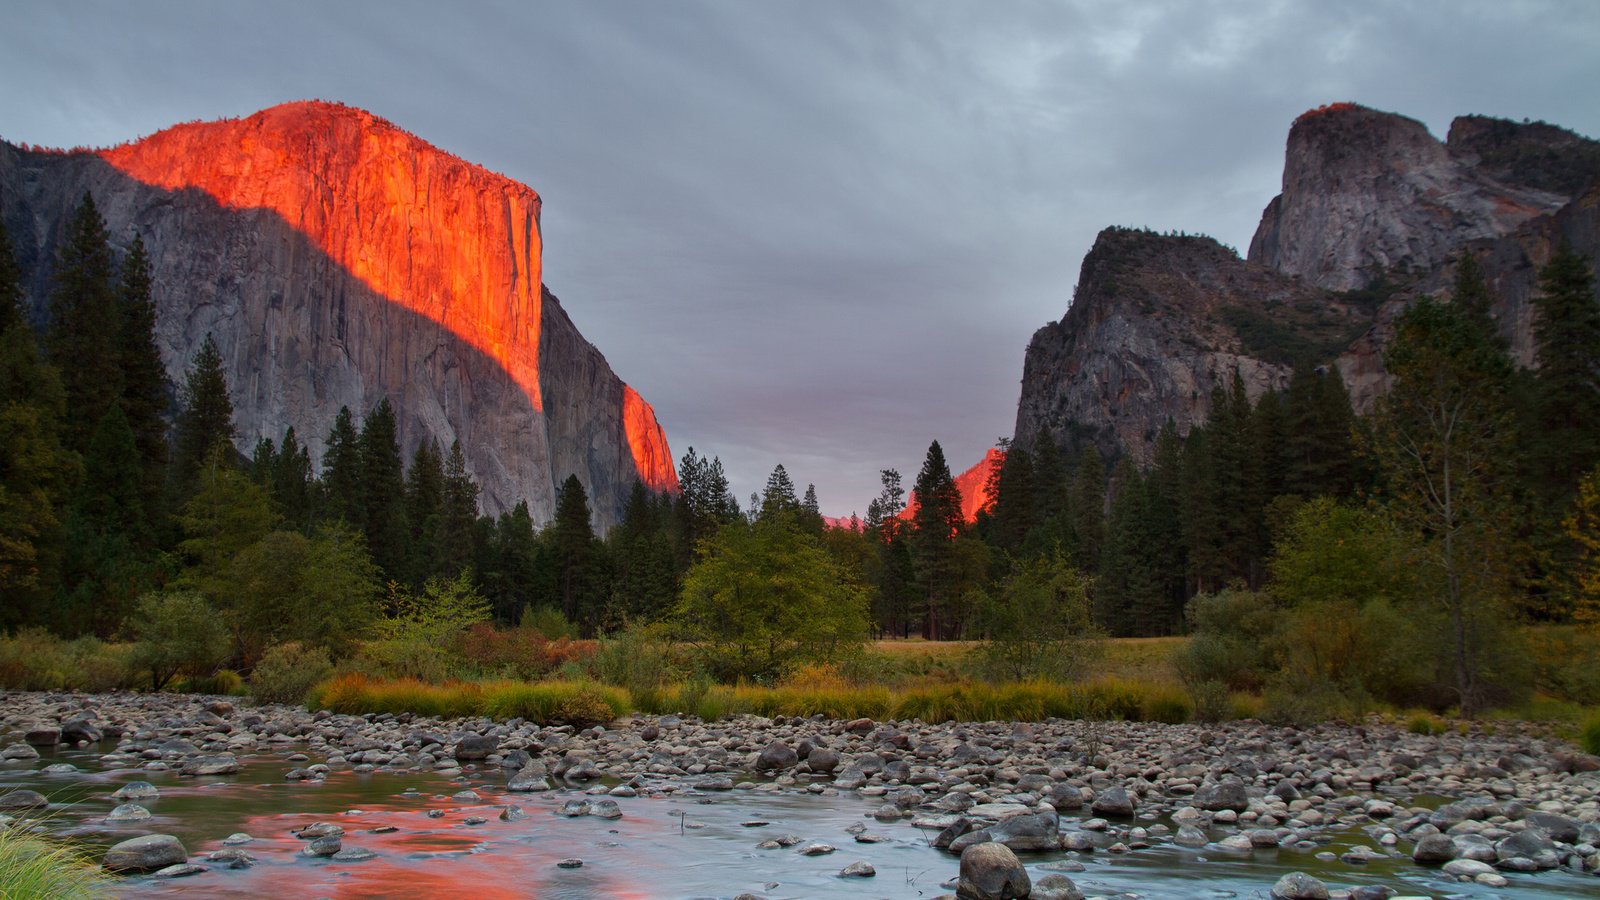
[[1589, 737], [34, 866], [177, 633], [33, 660], [288, 672], [548, 621], [638, 658], [1211, 701], [98, 667], [1234, 632], [225, 681], [1425, 724], [424, 659]]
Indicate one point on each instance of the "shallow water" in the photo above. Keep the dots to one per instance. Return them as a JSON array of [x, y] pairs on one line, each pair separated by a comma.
[[688, 845]]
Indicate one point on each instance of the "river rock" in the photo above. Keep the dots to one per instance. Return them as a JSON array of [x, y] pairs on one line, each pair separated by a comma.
[[145, 854], [80, 730], [858, 869], [1030, 832], [990, 871], [1065, 796], [43, 736], [1530, 843], [1299, 886], [1558, 827], [530, 779], [1055, 886], [816, 848], [1190, 836], [1228, 794], [512, 814], [127, 812], [776, 756], [136, 790], [19, 751], [210, 765], [475, 747], [605, 809], [822, 760], [1435, 849], [1113, 801], [180, 870], [23, 799], [1466, 868], [353, 854], [324, 846]]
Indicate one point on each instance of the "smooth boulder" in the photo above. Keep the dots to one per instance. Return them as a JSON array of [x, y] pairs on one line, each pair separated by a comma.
[[146, 854], [990, 871]]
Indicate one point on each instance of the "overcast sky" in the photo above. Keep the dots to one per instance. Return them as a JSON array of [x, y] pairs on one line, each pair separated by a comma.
[[820, 233]]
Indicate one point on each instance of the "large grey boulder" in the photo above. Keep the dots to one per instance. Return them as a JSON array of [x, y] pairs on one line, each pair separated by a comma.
[[990, 871], [1435, 849], [146, 854], [475, 747], [210, 765], [23, 799], [1228, 794], [1055, 886], [1113, 801], [776, 757]]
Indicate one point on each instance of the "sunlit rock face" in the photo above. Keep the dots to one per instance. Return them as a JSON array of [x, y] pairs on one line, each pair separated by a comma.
[[338, 259], [973, 484], [1157, 321]]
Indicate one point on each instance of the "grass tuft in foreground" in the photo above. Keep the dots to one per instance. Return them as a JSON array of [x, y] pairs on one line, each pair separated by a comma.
[[36, 866]]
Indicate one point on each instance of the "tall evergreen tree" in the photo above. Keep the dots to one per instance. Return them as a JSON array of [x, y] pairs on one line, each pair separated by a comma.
[[85, 322], [36, 471], [292, 483], [1443, 437], [644, 576], [580, 587], [109, 537], [144, 378], [778, 498], [341, 471], [1565, 441], [457, 538], [936, 523], [424, 506], [1087, 511], [383, 490], [205, 426], [1015, 511]]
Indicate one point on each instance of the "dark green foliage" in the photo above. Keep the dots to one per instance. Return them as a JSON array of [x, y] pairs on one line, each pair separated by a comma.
[[1086, 518], [457, 535], [205, 426], [144, 379], [1565, 435], [1135, 595], [341, 471], [890, 575], [424, 506], [109, 548], [778, 497], [382, 483], [85, 322], [704, 503], [293, 486], [1318, 453], [578, 559], [936, 522], [1286, 335], [508, 558], [1037, 623], [644, 582], [36, 470]]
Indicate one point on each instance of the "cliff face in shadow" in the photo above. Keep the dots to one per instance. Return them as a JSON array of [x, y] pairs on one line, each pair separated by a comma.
[[338, 260], [1374, 213]]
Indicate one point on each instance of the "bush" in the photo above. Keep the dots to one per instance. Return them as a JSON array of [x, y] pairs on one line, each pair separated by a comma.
[[1563, 659], [1211, 701], [548, 621], [36, 660], [34, 866], [638, 658], [1425, 724], [177, 632], [1233, 633], [1589, 737], [409, 657], [522, 652], [288, 672], [225, 682]]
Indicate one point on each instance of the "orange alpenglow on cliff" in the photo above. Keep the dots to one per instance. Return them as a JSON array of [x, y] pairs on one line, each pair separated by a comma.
[[446, 239], [973, 485]]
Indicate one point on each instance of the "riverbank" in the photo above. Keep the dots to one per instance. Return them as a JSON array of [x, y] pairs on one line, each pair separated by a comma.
[[1494, 802]]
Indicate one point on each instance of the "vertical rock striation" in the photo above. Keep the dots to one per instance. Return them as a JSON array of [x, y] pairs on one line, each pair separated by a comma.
[[338, 259]]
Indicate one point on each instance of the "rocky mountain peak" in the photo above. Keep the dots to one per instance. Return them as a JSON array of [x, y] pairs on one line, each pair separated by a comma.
[[1366, 192], [339, 259]]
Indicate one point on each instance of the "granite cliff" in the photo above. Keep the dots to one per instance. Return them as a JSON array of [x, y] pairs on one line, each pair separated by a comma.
[[338, 259], [1374, 212]]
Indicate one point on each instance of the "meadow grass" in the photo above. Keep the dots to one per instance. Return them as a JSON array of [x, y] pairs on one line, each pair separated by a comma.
[[36, 866]]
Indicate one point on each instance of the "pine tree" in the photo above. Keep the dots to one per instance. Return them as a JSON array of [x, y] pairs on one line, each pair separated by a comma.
[[1015, 511], [1472, 294], [577, 557], [1442, 437], [424, 511], [383, 490], [205, 426], [110, 541], [1566, 435], [1087, 510], [144, 378], [85, 322], [263, 460], [36, 471], [936, 523], [456, 535], [292, 483], [778, 498], [341, 471], [644, 577]]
